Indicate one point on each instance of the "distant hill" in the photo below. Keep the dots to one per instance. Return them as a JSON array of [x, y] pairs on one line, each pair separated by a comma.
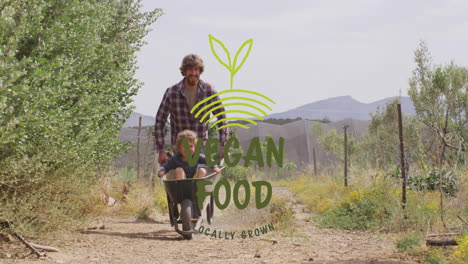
[[133, 120], [339, 108], [333, 109]]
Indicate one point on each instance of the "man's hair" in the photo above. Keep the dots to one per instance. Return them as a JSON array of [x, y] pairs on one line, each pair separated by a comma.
[[192, 60], [189, 135]]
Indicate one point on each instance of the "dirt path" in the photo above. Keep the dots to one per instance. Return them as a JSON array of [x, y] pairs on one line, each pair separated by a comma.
[[125, 240]]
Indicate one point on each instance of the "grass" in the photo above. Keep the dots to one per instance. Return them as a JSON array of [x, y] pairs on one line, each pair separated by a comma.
[[408, 243], [317, 194], [280, 212], [373, 201], [138, 199], [64, 203], [435, 256], [143, 213], [336, 206]]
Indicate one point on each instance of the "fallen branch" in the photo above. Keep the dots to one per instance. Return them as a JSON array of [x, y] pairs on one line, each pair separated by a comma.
[[28, 245], [95, 227], [459, 217], [32, 246], [46, 248], [450, 242], [444, 234]]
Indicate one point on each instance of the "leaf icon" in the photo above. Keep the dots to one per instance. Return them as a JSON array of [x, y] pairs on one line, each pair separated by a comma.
[[233, 69], [228, 64], [249, 43]]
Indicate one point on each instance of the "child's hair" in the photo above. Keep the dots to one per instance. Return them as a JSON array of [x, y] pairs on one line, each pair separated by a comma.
[[189, 135]]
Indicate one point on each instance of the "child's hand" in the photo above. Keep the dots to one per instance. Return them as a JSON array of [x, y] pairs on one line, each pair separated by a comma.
[[161, 173], [217, 170]]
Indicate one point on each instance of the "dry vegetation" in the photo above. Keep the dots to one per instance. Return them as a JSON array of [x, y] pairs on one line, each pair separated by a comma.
[[373, 202]]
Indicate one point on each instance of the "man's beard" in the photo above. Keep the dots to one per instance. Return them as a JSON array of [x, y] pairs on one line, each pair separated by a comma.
[[191, 80]]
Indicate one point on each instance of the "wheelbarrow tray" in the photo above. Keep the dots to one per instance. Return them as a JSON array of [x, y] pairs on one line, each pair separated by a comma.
[[179, 190], [182, 190]]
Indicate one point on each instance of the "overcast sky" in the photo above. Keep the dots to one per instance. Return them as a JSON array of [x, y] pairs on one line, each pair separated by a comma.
[[303, 51]]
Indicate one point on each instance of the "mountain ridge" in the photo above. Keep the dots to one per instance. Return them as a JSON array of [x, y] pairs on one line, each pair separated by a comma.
[[341, 107], [333, 109]]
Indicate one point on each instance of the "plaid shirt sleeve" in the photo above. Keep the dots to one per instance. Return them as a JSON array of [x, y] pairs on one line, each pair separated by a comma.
[[223, 132], [161, 118]]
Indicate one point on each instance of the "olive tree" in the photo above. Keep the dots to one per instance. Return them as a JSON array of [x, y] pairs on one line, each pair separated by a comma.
[[381, 142], [440, 96], [66, 82]]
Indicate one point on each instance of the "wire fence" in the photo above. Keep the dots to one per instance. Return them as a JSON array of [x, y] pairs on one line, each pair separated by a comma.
[[142, 163], [299, 143]]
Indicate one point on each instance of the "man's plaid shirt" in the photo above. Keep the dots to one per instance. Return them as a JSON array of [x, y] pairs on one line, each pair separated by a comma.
[[174, 103]]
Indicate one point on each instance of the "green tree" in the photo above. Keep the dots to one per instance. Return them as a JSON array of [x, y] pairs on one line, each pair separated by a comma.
[[440, 96], [333, 143], [67, 78], [381, 142]]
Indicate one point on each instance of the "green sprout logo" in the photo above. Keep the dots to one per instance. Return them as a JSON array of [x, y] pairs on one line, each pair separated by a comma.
[[233, 68]]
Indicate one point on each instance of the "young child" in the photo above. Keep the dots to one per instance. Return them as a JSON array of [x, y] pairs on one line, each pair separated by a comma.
[[179, 160]]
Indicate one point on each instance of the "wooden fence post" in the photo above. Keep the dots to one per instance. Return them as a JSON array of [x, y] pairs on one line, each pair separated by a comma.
[[402, 158], [315, 163], [345, 156], [138, 148], [306, 131], [145, 164]]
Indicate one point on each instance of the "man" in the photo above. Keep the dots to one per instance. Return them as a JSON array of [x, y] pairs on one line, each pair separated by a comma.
[[177, 102]]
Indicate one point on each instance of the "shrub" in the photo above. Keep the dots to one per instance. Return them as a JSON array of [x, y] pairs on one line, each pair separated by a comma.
[[421, 209], [432, 179], [318, 194], [66, 88], [50, 207], [143, 213], [279, 213], [460, 254], [359, 212], [408, 243], [160, 199], [280, 210], [346, 208], [139, 199], [435, 257], [375, 204], [237, 173]]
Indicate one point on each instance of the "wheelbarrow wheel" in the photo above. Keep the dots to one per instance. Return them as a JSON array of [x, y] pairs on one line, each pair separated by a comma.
[[211, 206], [209, 210], [208, 215], [186, 217]]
